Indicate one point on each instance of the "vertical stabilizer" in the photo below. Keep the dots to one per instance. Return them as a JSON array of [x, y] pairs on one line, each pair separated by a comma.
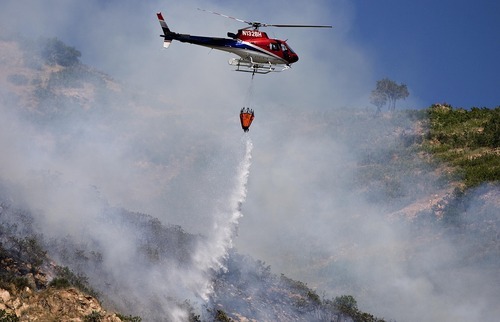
[[167, 34]]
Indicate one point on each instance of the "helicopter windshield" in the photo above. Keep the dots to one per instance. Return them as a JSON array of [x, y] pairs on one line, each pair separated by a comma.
[[285, 47]]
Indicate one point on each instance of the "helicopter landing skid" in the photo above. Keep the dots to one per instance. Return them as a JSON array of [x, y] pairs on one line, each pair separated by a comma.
[[255, 68]]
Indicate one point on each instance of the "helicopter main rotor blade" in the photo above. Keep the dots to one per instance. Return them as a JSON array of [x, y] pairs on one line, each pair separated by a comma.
[[256, 24], [295, 26], [226, 16]]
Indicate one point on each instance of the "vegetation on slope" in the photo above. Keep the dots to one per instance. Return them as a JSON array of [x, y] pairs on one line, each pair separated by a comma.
[[469, 140], [264, 296], [407, 152], [32, 286]]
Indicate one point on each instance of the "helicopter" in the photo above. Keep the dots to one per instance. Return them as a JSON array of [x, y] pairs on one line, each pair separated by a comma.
[[257, 52]]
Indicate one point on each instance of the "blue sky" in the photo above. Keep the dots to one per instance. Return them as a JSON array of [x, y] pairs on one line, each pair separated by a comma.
[[446, 50]]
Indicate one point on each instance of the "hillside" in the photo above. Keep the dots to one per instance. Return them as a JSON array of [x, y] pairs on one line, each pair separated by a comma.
[[33, 287], [82, 154]]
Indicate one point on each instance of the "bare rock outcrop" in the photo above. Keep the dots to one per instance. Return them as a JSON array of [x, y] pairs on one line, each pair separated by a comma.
[[53, 305]]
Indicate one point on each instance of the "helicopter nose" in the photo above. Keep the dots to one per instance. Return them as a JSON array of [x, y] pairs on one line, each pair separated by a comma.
[[293, 58]]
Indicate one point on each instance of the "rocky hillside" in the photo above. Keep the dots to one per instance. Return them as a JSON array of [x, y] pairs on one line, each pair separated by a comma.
[[52, 304], [34, 288]]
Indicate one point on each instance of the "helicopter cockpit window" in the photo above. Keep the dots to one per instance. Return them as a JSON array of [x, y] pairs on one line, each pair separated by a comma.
[[283, 47], [274, 46], [288, 48]]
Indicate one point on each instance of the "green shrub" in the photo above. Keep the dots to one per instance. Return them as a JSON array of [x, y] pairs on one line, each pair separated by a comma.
[[345, 303], [8, 317], [221, 316], [21, 282], [93, 317], [66, 276], [60, 282], [129, 318]]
